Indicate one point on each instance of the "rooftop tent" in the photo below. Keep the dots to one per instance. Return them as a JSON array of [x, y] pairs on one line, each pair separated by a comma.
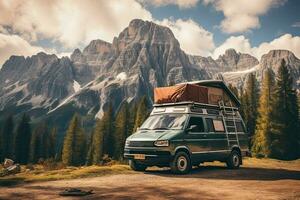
[[216, 88], [180, 93], [207, 92]]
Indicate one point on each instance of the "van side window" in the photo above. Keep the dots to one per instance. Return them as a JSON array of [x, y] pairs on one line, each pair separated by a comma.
[[210, 126], [198, 121], [239, 126], [218, 125]]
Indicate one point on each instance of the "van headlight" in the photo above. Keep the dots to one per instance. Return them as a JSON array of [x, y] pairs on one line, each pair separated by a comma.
[[161, 143], [127, 142]]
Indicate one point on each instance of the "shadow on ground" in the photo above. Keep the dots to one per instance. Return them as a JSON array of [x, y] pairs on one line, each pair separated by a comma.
[[118, 192], [245, 173]]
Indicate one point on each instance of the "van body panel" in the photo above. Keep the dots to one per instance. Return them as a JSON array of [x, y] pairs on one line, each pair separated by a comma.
[[202, 144]]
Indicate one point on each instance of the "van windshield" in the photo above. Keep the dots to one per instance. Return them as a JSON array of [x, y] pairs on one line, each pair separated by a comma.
[[161, 122]]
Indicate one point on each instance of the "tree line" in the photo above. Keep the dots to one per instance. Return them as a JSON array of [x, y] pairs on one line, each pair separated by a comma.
[[25, 144], [271, 114], [20, 143]]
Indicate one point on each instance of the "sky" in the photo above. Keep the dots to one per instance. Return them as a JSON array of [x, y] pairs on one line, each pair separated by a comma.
[[203, 27]]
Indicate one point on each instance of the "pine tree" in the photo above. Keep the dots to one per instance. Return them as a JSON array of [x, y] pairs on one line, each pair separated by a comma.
[[6, 138], [42, 144], [285, 125], [133, 111], [262, 137], [251, 103], [97, 148], [142, 113], [234, 90], [108, 131], [121, 130], [22, 140], [74, 147], [52, 143]]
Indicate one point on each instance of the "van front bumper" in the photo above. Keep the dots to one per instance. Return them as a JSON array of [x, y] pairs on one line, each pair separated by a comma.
[[152, 156]]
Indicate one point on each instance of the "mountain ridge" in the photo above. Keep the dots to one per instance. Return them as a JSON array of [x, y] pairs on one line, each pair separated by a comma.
[[143, 56]]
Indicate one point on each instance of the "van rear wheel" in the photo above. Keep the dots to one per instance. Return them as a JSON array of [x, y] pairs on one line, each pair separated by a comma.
[[234, 160], [181, 163], [136, 166]]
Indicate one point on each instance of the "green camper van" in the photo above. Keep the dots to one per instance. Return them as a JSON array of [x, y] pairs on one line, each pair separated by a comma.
[[186, 133]]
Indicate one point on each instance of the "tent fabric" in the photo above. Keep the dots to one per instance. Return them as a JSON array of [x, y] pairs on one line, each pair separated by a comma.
[[192, 92], [179, 93]]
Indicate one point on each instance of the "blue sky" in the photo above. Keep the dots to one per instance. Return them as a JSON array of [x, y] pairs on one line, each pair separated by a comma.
[[276, 22], [203, 27]]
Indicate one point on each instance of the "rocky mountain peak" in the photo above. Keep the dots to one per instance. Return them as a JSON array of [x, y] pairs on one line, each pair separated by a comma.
[[232, 60], [97, 47]]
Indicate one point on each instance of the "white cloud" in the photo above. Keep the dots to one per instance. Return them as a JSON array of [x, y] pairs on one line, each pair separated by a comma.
[[242, 15], [15, 45], [71, 22], [193, 38], [180, 3], [242, 44]]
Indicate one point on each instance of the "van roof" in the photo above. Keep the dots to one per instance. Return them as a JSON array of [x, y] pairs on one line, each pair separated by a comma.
[[217, 84]]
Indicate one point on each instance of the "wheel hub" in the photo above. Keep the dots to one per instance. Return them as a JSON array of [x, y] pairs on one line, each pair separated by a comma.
[[182, 163]]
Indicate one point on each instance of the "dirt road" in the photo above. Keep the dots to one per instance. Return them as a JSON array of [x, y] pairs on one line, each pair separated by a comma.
[[207, 182]]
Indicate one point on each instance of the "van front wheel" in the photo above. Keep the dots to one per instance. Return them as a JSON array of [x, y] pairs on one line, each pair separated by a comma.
[[181, 163], [136, 166]]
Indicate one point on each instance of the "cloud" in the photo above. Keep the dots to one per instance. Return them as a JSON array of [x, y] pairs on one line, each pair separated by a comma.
[[239, 43], [193, 38], [180, 3], [296, 25], [15, 45], [70, 22], [242, 15], [242, 44]]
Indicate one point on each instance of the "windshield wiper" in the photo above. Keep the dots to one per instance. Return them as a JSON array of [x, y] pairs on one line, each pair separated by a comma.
[[161, 128]]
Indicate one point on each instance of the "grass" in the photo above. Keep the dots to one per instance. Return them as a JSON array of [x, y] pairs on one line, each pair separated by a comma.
[[40, 174]]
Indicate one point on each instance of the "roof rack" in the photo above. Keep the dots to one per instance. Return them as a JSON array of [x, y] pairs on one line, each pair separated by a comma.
[[195, 104]]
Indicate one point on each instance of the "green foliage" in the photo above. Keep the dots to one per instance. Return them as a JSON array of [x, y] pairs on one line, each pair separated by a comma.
[[96, 151], [285, 123], [74, 147], [250, 100], [234, 90], [141, 114], [6, 138], [122, 130], [22, 140], [42, 144], [262, 137], [108, 131]]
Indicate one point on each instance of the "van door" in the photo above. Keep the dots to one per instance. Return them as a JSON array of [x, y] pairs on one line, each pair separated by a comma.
[[217, 138], [195, 138]]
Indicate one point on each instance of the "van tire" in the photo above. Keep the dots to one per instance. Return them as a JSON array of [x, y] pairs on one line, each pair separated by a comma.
[[181, 164], [136, 166], [234, 160]]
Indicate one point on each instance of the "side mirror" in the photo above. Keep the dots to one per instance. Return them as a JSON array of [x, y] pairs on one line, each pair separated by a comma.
[[192, 127]]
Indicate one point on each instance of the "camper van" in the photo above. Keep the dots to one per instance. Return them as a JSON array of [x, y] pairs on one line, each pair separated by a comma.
[[190, 123]]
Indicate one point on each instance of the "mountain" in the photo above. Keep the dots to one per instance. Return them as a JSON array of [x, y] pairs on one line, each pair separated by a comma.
[[143, 56], [270, 60]]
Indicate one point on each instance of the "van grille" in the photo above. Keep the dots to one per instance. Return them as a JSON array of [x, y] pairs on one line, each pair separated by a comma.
[[141, 143]]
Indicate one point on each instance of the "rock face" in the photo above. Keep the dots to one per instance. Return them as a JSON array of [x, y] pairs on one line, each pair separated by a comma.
[[144, 55], [40, 81], [233, 61]]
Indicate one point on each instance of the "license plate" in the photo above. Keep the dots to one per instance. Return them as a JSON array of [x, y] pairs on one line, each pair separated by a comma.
[[139, 156]]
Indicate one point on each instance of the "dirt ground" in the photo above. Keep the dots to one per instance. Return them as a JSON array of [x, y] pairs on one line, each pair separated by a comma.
[[206, 182]]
